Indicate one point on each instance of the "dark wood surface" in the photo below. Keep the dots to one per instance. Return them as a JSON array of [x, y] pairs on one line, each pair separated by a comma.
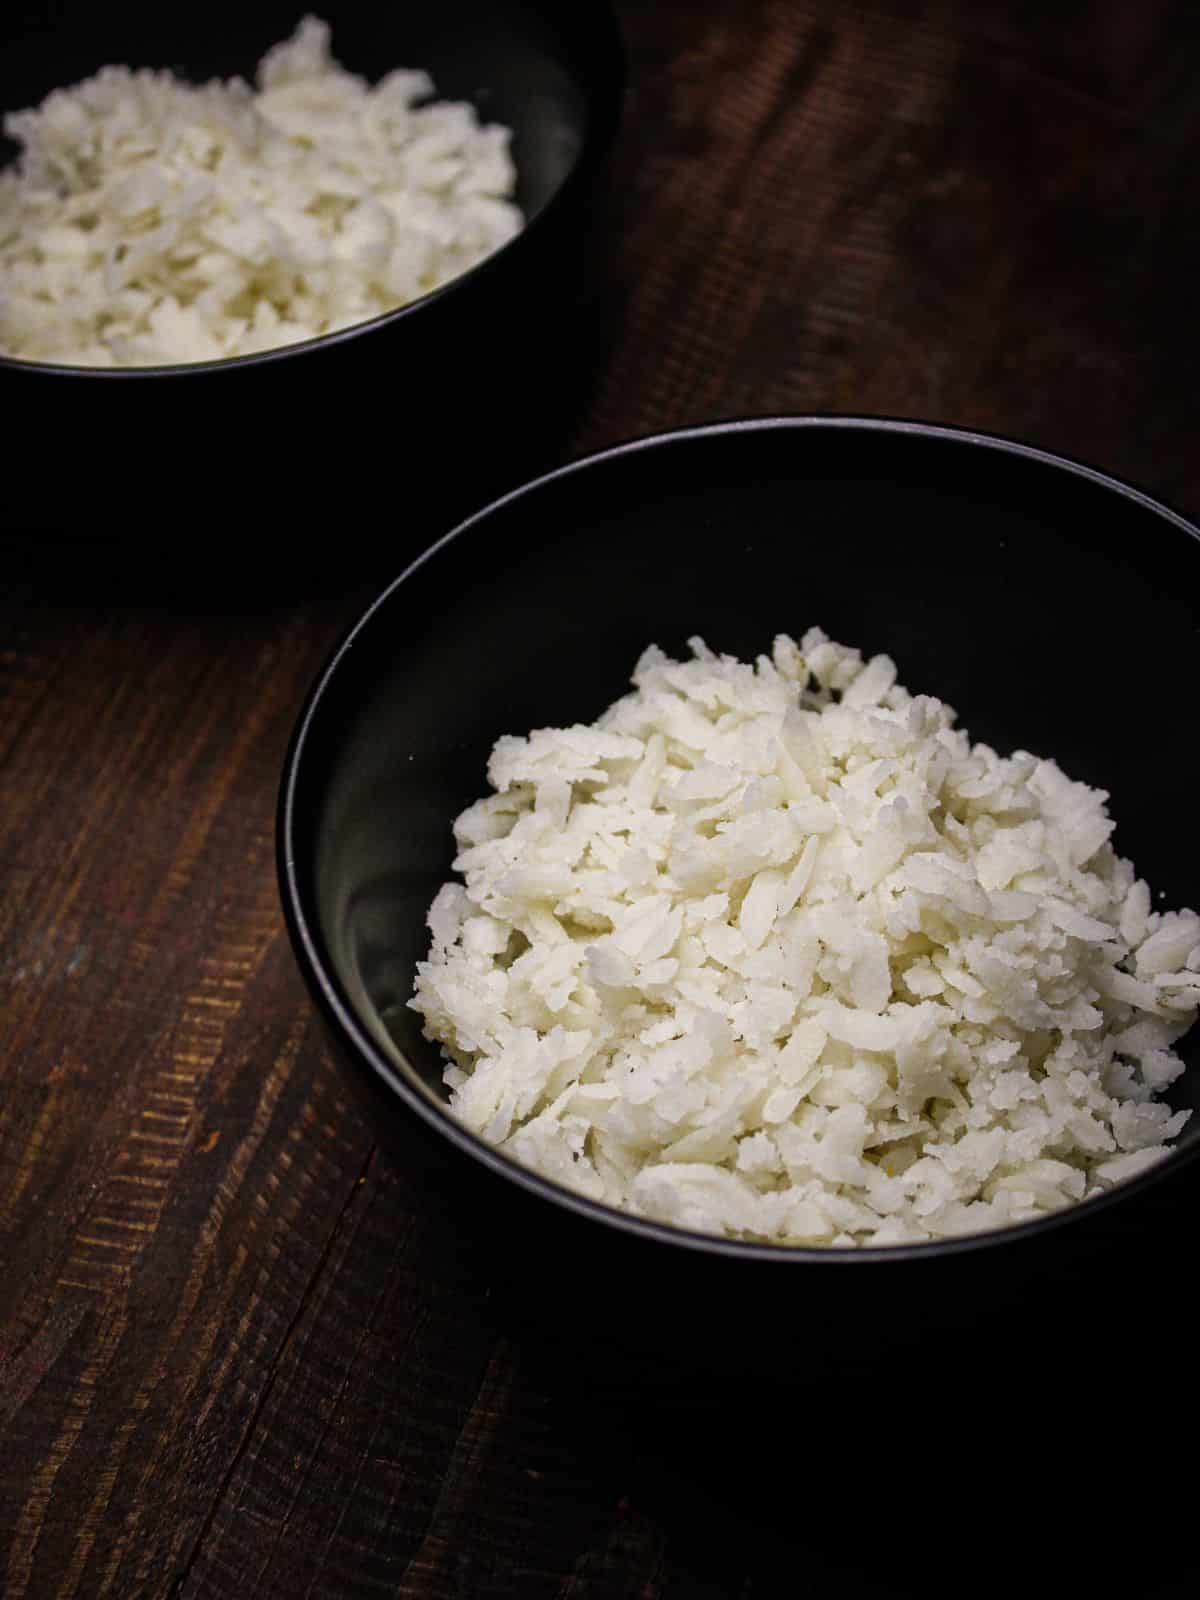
[[237, 1356]]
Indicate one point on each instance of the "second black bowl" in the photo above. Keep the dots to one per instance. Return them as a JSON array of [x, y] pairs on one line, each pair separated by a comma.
[[449, 395]]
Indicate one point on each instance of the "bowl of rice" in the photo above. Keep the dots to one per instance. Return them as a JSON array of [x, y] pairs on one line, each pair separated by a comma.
[[273, 265], [767, 848]]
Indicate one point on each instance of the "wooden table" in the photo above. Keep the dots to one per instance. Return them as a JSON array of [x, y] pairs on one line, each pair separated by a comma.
[[236, 1356]]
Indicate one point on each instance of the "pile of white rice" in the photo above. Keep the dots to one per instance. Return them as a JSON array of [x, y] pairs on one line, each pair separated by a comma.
[[774, 951], [151, 221]]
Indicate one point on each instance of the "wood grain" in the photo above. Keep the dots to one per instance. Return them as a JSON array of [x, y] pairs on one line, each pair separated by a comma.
[[238, 1355]]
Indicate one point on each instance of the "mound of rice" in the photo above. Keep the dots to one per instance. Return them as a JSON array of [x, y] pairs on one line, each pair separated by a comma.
[[151, 221], [773, 951]]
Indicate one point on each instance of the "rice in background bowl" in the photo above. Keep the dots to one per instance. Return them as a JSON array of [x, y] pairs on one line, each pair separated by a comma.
[[413, 409], [149, 221]]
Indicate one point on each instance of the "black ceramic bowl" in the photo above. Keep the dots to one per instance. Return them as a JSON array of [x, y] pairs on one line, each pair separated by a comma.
[[358, 424], [1055, 608]]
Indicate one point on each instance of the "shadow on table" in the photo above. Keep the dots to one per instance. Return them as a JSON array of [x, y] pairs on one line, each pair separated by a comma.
[[980, 1466]]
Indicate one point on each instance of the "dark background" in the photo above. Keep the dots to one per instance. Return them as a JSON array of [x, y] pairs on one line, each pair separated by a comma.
[[238, 1353]]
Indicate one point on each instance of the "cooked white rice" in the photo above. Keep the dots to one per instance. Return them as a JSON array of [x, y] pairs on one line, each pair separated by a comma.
[[152, 221], [773, 951]]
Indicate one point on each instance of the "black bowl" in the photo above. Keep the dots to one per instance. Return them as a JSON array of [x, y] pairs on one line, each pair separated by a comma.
[[1055, 608], [359, 424]]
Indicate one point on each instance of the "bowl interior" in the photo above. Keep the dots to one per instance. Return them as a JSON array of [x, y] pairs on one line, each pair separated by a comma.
[[523, 63], [1054, 610]]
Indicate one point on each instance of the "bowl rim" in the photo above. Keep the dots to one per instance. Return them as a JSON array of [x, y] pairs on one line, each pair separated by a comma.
[[604, 97], [340, 1012]]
